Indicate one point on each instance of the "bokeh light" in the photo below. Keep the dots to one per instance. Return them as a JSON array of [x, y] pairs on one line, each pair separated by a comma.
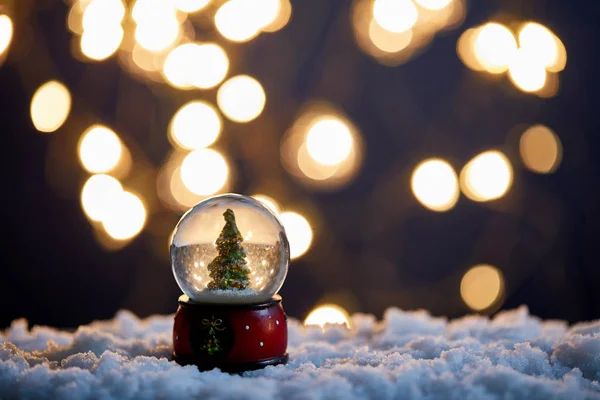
[[100, 149], [100, 14], [268, 201], [389, 42], [433, 4], [540, 43], [328, 314], [541, 149], [284, 13], [50, 106], [329, 141], [395, 15], [195, 125], [488, 176], [97, 194], [99, 44], [241, 98], [527, 71], [481, 287], [465, 47], [298, 231], [495, 47], [148, 11], [190, 6], [204, 172], [435, 184], [236, 20], [158, 34], [196, 65], [125, 216], [6, 32]]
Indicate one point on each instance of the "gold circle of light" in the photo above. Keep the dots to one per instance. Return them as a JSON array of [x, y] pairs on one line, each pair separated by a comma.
[[241, 98], [527, 72], [236, 20], [196, 65], [99, 44], [159, 34], [191, 6], [465, 48], [540, 42], [99, 149], [495, 47], [329, 141], [389, 42], [101, 13], [50, 106], [488, 176], [147, 11], [6, 32], [284, 14], [395, 15], [298, 231], [125, 217], [328, 314], [541, 150], [195, 125], [481, 287], [96, 195], [204, 172], [434, 5], [435, 185]]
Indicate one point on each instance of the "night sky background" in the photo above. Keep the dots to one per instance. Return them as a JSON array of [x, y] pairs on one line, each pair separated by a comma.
[[374, 245]]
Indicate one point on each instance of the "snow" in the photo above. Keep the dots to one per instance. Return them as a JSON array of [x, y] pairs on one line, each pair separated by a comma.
[[409, 355]]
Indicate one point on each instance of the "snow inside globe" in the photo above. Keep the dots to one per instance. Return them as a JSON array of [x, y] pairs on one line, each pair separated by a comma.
[[229, 249]]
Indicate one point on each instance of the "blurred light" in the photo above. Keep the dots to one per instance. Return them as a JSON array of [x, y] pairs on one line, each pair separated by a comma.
[[192, 65], [328, 314], [284, 13], [125, 216], [481, 287], [241, 98], [465, 48], [148, 11], [204, 172], [298, 231], [100, 14], [540, 43], [486, 177], [236, 20], [435, 184], [390, 42], [6, 32], [145, 59], [527, 72], [329, 141], [265, 11], [99, 149], [540, 149], [495, 47], [195, 125], [50, 106], [313, 169], [158, 34], [97, 194], [434, 5], [99, 44], [268, 201], [190, 6], [395, 15]]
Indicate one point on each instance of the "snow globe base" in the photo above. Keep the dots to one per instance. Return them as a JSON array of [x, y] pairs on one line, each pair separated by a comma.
[[231, 337]]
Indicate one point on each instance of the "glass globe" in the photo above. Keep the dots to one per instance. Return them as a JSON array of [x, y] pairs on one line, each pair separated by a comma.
[[229, 249]]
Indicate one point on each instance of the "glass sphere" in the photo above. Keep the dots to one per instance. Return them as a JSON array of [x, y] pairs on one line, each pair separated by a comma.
[[229, 249]]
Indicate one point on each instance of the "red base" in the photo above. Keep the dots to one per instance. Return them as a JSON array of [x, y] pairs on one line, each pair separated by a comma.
[[231, 337]]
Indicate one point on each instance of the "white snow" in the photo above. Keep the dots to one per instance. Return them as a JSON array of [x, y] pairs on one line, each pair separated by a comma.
[[408, 355]]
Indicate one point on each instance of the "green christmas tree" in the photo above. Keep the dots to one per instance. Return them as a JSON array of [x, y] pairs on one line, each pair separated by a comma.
[[228, 270]]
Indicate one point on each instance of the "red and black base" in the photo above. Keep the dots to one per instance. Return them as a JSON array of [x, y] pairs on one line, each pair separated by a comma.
[[231, 337]]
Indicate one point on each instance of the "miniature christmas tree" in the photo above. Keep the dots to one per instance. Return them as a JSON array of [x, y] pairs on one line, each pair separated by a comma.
[[228, 269]]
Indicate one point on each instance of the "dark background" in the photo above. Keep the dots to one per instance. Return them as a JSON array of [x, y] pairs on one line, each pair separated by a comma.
[[374, 245]]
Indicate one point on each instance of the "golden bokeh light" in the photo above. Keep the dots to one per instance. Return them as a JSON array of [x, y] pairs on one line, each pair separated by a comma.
[[196, 65], [541, 149], [465, 47], [6, 32], [527, 72], [329, 141], [97, 194], [434, 5], [100, 149], [100, 43], [50, 106], [298, 231], [481, 287], [148, 11], [190, 6], [195, 125], [389, 42], [241, 98], [313, 169], [158, 34], [395, 15], [328, 314], [268, 201], [284, 13], [495, 47], [99, 14], [435, 185], [204, 172], [488, 176], [236, 20], [540, 43], [125, 216]]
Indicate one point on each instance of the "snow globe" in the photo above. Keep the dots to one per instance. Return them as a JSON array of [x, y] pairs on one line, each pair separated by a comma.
[[230, 256]]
